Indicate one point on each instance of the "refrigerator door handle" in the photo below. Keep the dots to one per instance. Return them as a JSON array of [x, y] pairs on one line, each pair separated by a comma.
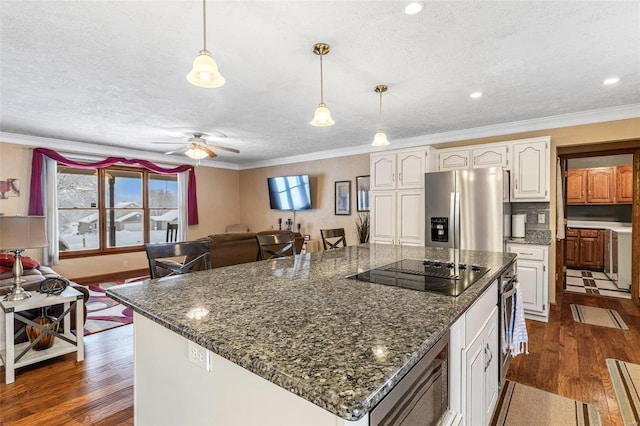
[[454, 218]]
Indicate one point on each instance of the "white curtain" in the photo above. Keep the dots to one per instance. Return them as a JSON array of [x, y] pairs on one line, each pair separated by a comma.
[[183, 178], [559, 203], [50, 203]]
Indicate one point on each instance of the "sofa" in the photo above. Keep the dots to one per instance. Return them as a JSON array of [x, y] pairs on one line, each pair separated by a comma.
[[32, 278], [239, 247]]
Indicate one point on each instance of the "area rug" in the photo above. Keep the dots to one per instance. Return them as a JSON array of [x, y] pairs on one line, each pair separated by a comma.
[[104, 313], [598, 316], [625, 378], [523, 405]]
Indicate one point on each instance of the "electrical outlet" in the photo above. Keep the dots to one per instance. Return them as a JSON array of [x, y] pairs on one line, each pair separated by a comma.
[[199, 356], [541, 218]]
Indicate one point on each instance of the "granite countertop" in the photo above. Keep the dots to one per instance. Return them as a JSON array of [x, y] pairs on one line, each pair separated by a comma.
[[542, 240], [301, 324], [619, 227]]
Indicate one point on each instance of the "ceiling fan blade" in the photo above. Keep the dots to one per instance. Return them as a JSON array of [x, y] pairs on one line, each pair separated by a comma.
[[208, 151], [174, 151], [169, 143], [224, 148]]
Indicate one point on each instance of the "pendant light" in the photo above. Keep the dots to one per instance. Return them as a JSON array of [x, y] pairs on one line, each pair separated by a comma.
[[322, 116], [380, 139], [205, 70]]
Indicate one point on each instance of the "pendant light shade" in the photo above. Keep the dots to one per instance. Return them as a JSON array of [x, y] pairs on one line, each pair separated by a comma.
[[380, 139], [205, 70], [322, 116]]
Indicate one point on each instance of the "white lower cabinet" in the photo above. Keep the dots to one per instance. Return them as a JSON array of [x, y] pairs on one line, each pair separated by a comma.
[[533, 278], [475, 357], [397, 217]]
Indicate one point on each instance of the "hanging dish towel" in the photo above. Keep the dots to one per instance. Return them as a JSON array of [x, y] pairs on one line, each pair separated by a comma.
[[519, 338]]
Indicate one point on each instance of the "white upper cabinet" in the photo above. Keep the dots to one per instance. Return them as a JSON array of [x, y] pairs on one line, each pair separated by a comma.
[[399, 170], [453, 159], [530, 174], [494, 156]]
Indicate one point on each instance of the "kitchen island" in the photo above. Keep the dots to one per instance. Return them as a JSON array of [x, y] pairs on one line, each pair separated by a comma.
[[288, 337]]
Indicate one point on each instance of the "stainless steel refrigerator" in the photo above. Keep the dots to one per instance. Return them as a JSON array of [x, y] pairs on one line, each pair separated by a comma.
[[467, 209]]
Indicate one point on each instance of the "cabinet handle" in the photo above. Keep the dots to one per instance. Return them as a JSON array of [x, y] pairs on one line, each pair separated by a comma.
[[393, 177], [465, 161], [400, 177], [516, 183], [526, 254]]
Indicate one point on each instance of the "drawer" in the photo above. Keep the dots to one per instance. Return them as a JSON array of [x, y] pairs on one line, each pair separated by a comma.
[[589, 233], [478, 314], [572, 232], [527, 253]]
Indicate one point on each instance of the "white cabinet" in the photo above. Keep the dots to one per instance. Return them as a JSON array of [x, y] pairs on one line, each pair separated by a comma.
[[397, 217], [453, 159], [474, 157], [530, 174], [399, 170], [474, 360], [533, 278]]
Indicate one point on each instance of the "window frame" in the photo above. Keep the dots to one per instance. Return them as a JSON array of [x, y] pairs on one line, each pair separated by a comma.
[[103, 248]]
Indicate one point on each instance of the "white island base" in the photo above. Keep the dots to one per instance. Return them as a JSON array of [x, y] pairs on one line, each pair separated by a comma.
[[171, 390]]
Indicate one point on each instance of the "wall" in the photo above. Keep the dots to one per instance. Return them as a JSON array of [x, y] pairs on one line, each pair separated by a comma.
[[218, 206], [600, 161], [254, 199]]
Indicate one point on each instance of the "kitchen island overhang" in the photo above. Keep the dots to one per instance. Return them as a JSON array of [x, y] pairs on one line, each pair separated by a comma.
[[301, 324]]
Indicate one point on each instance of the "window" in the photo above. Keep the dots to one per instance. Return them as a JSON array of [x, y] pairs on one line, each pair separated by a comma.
[[115, 209]]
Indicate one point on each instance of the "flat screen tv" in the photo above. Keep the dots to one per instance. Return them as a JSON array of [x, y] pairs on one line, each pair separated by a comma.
[[289, 193]]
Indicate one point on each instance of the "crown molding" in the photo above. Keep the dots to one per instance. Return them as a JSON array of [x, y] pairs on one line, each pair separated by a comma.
[[83, 150], [543, 123]]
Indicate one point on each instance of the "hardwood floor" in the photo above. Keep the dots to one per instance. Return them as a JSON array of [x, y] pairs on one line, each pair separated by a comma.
[[568, 358], [97, 391]]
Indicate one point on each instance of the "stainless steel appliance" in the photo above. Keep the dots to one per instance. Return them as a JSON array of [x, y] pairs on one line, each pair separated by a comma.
[[422, 396], [507, 312], [449, 277], [465, 209]]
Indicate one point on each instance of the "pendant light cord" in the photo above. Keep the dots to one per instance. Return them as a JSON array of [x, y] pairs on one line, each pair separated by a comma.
[[380, 116], [204, 23], [321, 80]]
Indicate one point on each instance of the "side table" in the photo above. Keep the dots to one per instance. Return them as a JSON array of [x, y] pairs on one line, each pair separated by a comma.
[[16, 356]]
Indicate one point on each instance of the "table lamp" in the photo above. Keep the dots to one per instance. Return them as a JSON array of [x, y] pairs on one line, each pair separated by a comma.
[[24, 232]]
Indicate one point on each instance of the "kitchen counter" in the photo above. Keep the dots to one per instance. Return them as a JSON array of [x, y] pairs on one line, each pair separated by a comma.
[[301, 324], [619, 227]]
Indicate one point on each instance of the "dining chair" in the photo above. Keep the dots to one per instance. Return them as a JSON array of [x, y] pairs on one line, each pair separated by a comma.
[[331, 238], [172, 232], [280, 244], [196, 257]]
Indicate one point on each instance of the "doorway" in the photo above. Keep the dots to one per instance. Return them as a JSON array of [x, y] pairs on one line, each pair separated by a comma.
[[600, 205]]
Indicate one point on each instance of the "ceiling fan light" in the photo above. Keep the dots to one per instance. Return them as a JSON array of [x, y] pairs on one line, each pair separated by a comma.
[[205, 72], [380, 139], [196, 153], [322, 117]]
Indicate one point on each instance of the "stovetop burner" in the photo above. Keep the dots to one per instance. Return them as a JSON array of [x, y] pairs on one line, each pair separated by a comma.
[[425, 275]]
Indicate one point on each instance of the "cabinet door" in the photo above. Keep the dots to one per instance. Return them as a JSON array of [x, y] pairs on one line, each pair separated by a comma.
[[590, 252], [492, 377], [411, 169], [453, 159], [577, 186], [383, 216], [530, 276], [624, 184], [410, 230], [496, 156], [573, 251], [530, 181], [474, 364], [601, 185], [383, 171]]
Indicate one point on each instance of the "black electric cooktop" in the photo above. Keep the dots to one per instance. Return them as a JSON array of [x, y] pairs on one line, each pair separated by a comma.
[[442, 277]]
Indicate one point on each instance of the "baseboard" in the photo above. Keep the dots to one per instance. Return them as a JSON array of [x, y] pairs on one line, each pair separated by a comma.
[[121, 275]]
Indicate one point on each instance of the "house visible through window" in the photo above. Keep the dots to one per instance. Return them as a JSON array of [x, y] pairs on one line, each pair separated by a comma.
[[113, 209]]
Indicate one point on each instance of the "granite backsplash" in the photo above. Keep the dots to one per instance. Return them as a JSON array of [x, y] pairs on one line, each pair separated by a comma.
[[533, 229]]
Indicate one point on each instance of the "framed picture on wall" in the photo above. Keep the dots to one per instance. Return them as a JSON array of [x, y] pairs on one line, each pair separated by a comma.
[[362, 193], [343, 198]]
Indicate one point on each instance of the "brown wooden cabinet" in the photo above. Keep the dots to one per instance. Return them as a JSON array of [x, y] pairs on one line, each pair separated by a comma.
[[601, 185], [624, 184], [577, 186], [585, 248]]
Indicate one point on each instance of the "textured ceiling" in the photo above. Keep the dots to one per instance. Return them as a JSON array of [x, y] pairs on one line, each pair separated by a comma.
[[113, 72]]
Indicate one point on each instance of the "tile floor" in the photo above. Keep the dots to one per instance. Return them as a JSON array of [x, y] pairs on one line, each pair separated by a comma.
[[592, 282]]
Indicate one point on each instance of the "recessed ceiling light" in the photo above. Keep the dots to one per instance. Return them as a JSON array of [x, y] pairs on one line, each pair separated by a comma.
[[476, 95], [612, 80], [413, 7]]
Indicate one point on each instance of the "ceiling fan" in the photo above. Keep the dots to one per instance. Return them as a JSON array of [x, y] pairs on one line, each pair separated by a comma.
[[197, 147]]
